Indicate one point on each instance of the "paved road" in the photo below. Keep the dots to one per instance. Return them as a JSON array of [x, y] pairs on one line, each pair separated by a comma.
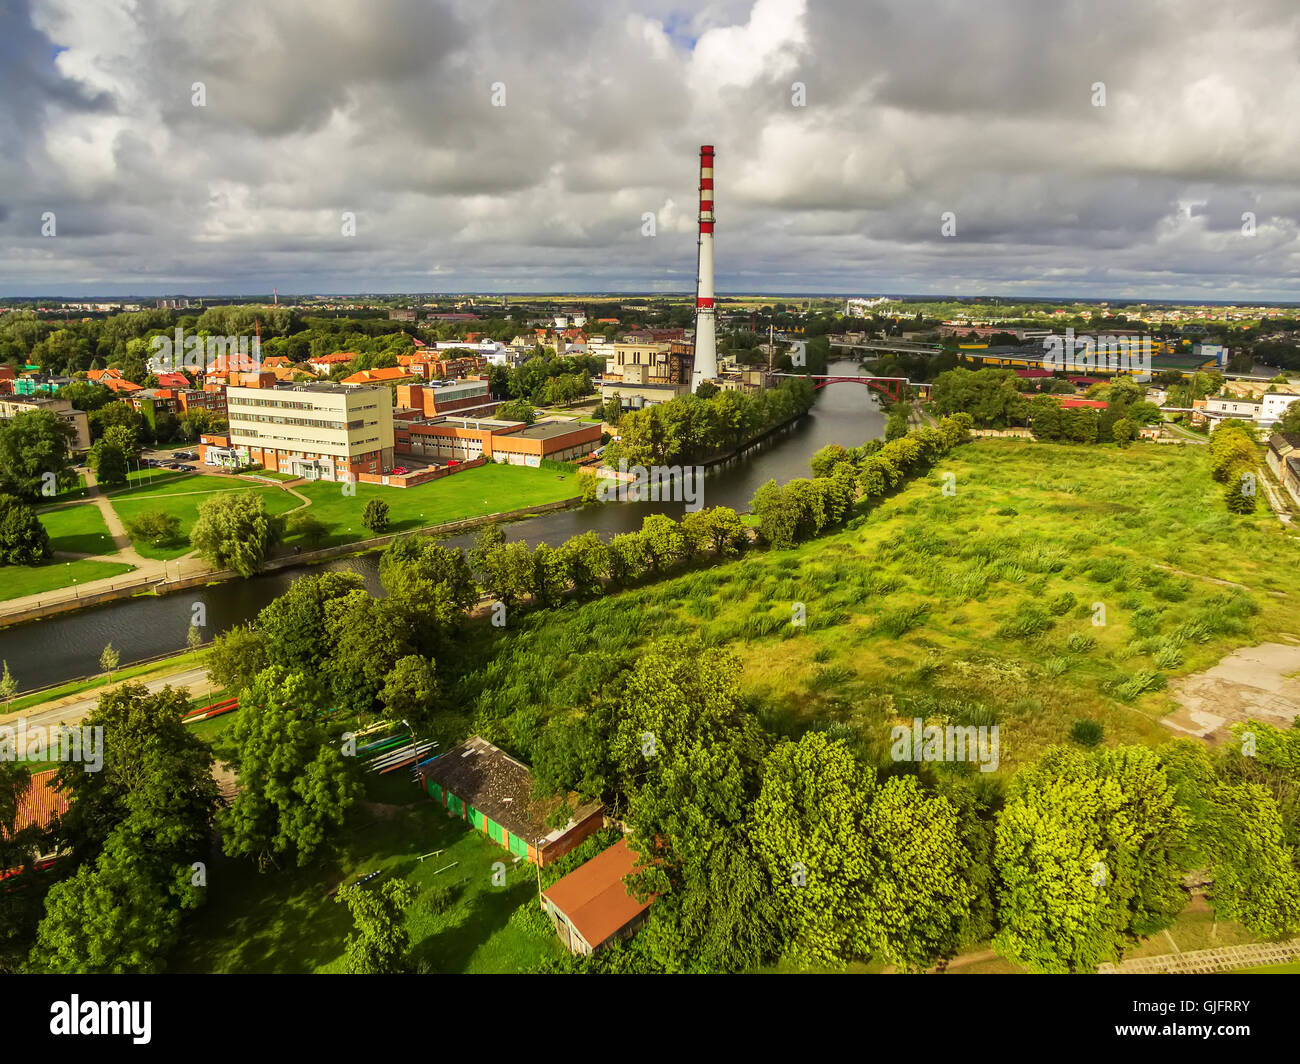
[[73, 708]]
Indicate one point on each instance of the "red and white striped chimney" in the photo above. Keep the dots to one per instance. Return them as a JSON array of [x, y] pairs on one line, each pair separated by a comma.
[[706, 344]]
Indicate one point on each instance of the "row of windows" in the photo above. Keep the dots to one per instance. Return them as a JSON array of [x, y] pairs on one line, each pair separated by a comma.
[[275, 419]]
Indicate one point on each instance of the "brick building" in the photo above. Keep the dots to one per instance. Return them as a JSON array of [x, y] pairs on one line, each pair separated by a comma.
[[319, 430]]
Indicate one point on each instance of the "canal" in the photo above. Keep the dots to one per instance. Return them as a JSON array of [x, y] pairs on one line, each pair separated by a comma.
[[66, 647]]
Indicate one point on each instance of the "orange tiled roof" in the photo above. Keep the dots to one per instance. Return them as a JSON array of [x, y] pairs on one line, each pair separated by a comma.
[[41, 802], [374, 376], [120, 386]]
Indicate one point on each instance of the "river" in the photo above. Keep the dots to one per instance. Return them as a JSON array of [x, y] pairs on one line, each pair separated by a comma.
[[66, 647]]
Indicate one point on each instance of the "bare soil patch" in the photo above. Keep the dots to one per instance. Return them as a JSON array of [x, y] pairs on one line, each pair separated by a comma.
[[1256, 683]]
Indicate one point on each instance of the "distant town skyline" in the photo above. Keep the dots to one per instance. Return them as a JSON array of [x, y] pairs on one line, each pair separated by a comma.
[[1117, 151]]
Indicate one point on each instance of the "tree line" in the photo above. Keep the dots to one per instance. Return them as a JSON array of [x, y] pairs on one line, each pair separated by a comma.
[[692, 428], [760, 848]]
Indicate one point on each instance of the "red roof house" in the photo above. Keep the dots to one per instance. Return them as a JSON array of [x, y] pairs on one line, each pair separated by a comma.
[[591, 905]]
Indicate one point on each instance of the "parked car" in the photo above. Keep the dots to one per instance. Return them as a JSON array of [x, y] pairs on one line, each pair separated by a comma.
[[400, 470]]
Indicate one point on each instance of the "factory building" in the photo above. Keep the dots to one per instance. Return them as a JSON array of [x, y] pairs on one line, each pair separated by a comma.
[[462, 439]]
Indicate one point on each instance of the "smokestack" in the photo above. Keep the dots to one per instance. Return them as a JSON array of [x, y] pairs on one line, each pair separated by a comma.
[[706, 345]]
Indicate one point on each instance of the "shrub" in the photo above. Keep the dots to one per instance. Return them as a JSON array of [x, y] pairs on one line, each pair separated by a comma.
[[375, 516], [1169, 656], [897, 623], [1086, 732], [1056, 666], [438, 900], [1029, 620], [1063, 603], [1080, 642], [23, 539], [156, 526]]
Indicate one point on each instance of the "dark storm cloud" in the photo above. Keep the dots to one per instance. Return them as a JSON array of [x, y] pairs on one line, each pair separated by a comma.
[[385, 108]]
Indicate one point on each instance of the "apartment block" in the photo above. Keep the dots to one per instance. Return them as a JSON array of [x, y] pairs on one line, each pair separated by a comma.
[[319, 430], [13, 405]]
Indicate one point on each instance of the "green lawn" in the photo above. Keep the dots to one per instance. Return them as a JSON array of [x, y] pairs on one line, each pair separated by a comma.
[[19, 580], [474, 493], [951, 607], [71, 493], [286, 920], [181, 494], [145, 477], [78, 530]]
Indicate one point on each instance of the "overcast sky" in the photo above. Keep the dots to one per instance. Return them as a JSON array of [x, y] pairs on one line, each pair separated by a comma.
[[911, 108]]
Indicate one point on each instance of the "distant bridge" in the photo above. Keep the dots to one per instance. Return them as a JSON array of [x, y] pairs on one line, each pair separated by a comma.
[[887, 386], [897, 347]]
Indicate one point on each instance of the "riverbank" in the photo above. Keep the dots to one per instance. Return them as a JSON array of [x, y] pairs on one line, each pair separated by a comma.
[[20, 611], [44, 698], [66, 645]]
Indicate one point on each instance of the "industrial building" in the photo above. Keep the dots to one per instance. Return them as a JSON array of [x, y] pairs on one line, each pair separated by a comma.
[[444, 397], [463, 439], [645, 372], [483, 785], [318, 430], [592, 906]]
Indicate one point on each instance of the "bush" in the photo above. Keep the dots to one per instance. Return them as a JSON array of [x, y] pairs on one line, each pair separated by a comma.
[[897, 623], [1063, 603], [1080, 642], [375, 516], [23, 539], [438, 900], [1030, 620], [157, 527], [1086, 732]]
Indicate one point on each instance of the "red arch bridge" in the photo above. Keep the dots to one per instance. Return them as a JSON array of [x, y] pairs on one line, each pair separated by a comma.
[[888, 386]]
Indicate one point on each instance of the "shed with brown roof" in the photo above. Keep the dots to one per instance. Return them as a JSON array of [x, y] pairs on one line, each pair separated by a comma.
[[591, 905], [481, 783]]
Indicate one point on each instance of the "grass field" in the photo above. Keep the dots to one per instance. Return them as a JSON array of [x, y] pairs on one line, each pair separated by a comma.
[[286, 920], [147, 477], [975, 608], [78, 530], [181, 494], [19, 580], [474, 493]]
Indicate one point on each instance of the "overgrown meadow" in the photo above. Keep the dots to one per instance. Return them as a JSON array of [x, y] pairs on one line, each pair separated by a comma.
[[1048, 584]]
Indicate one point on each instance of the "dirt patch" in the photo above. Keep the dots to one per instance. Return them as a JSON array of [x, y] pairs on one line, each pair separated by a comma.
[[382, 810], [1257, 683], [227, 781]]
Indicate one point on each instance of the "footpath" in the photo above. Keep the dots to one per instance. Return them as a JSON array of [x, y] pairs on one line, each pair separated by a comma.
[[1208, 961]]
